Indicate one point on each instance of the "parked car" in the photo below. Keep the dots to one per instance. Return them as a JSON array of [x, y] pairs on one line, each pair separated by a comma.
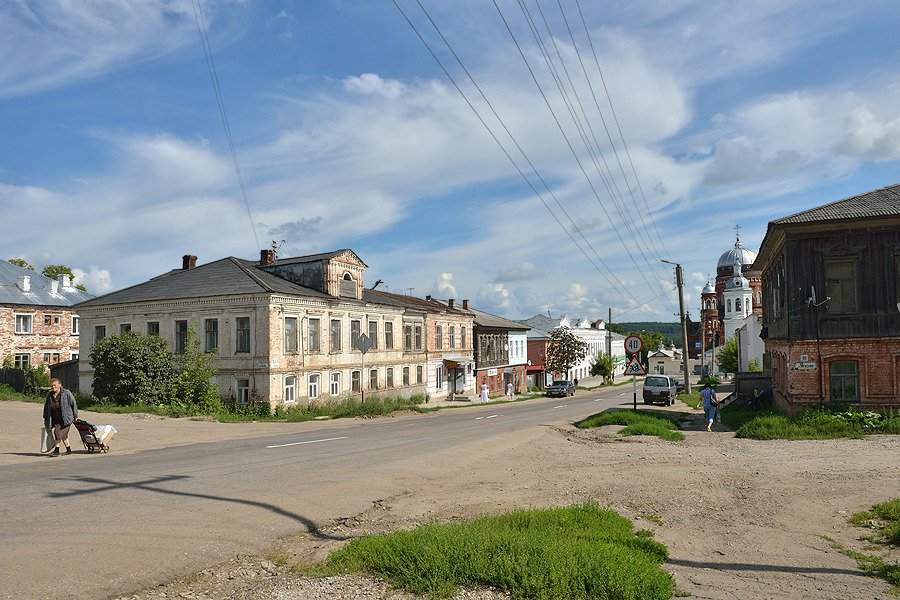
[[561, 387], [679, 386], [660, 388]]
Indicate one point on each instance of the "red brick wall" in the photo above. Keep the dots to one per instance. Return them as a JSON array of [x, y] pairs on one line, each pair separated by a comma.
[[879, 370], [43, 338]]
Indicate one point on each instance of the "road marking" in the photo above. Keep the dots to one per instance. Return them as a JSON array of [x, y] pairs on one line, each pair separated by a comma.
[[308, 442], [561, 406], [488, 417]]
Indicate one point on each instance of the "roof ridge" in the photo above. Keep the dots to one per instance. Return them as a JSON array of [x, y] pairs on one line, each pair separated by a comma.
[[252, 275]]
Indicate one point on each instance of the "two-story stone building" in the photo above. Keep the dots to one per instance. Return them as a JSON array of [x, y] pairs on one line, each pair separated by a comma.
[[501, 353], [37, 322], [285, 331]]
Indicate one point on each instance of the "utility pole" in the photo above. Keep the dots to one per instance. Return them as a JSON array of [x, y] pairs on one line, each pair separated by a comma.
[[684, 343], [612, 365], [702, 343]]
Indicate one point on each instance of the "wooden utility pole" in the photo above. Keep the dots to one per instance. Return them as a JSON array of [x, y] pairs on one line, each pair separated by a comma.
[[679, 280]]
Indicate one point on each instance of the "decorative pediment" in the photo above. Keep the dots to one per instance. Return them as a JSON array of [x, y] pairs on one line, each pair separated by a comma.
[[348, 257]]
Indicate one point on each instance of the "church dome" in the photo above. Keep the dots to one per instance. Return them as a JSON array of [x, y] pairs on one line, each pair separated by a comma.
[[744, 256], [708, 288], [737, 281]]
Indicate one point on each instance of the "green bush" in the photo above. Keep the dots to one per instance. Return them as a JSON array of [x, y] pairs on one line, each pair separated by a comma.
[[373, 406], [814, 424], [572, 552], [132, 368]]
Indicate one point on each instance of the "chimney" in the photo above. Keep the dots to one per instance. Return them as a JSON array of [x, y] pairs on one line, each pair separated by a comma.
[[451, 302], [24, 283], [54, 286], [428, 297], [465, 304], [188, 261], [64, 280], [266, 257]]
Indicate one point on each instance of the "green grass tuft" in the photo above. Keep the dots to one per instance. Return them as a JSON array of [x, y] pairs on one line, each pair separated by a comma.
[[636, 423], [572, 552], [815, 424]]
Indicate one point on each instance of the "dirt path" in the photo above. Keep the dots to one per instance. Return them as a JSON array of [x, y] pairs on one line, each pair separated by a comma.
[[742, 519]]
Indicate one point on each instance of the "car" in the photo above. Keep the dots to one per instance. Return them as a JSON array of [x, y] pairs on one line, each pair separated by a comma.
[[660, 388], [561, 387], [679, 386]]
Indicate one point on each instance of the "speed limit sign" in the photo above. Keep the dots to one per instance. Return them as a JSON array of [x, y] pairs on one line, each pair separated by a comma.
[[633, 344]]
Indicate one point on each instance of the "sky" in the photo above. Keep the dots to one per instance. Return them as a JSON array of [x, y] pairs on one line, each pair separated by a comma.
[[532, 157]]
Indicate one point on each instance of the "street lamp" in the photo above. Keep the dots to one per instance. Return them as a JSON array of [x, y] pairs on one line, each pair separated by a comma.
[[684, 343]]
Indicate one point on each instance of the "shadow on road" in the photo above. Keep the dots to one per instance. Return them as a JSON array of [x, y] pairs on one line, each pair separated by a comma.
[[152, 485], [751, 567]]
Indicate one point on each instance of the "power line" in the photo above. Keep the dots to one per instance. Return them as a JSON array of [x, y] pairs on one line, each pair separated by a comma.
[[211, 67]]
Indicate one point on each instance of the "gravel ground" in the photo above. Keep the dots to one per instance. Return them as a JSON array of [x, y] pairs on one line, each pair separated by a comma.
[[742, 519]]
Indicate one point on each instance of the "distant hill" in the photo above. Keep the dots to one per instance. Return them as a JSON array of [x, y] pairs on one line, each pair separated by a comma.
[[672, 331]]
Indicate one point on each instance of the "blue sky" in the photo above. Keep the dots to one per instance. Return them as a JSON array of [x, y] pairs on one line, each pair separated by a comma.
[[114, 161]]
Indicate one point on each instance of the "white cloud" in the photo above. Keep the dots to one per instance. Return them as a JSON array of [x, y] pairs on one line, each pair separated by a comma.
[[866, 135], [493, 297], [443, 287], [371, 83], [96, 280]]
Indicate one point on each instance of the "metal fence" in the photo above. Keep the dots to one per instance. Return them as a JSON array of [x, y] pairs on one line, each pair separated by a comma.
[[14, 378]]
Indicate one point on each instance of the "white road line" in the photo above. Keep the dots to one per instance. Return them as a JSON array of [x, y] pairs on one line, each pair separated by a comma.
[[308, 442], [560, 406], [491, 416]]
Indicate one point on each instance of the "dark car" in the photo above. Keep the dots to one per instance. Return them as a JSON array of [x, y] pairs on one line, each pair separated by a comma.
[[561, 387]]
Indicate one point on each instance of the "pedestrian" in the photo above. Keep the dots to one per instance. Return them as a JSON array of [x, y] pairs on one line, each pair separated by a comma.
[[484, 392], [710, 405], [509, 390], [575, 381], [60, 411]]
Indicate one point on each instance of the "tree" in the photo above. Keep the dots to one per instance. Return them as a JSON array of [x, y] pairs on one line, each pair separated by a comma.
[[754, 366], [727, 357], [133, 369], [602, 366], [564, 351], [194, 387], [650, 342], [54, 271], [20, 262]]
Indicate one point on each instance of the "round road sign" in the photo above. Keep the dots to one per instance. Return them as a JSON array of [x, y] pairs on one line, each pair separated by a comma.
[[633, 344]]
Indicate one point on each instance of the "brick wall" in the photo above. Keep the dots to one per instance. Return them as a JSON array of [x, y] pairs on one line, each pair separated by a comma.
[[53, 338]]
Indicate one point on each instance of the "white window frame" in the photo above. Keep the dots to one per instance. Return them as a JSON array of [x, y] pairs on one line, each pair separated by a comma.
[[21, 320], [22, 360], [75, 322], [242, 392], [335, 383], [291, 339], [290, 388], [315, 380], [210, 336], [439, 378]]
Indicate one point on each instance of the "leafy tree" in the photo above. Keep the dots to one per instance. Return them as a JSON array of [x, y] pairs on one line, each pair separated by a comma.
[[602, 366], [727, 358], [754, 366], [133, 369], [20, 262], [650, 341], [564, 350], [54, 271], [194, 387]]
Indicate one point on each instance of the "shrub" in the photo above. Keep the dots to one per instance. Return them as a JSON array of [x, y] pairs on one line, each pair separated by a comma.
[[132, 368], [636, 423], [193, 387]]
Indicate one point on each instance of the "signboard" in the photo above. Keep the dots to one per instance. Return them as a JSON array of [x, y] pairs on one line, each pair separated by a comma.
[[492, 372], [696, 345], [634, 368], [633, 344], [363, 344], [805, 366]]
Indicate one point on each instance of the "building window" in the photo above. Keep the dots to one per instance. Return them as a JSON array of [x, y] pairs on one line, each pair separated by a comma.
[[373, 333], [23, 323], [373, 379], [390, 377], [314, 341], [419, 373], [335, 340], [405, 375], [290, 335], [99, 332], [452, 337], [74, 356], [243, 391], [737, 305], [124, 328], [314, 385], [354, 381], [844, 378], [354, 333], [22, 361], [729, 306], [242, 335], [51, 358], [407, 337], [439, 337], [418, 329], [841, 285], [439, 378], [462, 337], [335, 384], [153, 328], [290, 388], [389, 332], [74, 325], [210, 335], [181, 335]]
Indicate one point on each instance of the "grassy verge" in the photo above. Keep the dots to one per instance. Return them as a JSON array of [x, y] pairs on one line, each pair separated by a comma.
[[636, 423], [817, 424], [8, 393], [692, 399], [572, 552], [884, 519]]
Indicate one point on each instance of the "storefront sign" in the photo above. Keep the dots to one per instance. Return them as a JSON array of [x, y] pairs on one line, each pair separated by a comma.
[[492, 372], [805, 366]]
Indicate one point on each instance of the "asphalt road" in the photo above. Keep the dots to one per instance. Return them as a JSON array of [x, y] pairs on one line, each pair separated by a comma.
[[127, 522]]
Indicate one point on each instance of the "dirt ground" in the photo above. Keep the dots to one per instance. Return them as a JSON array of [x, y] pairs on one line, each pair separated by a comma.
[[742, 519]]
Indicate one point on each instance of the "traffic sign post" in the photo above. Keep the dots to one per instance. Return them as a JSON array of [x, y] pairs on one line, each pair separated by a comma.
[[633, 345], [363, 344]]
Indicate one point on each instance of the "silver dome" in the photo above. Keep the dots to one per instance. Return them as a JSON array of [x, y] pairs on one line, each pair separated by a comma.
[[708, 288], [744, 255]]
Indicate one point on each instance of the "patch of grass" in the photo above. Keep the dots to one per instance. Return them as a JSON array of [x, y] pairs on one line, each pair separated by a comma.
[[636, 423], [651, 518], [8, 393], [693, 399], [373, 406], [572, 552], [884, 518], [815, 424], [872, 564]]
